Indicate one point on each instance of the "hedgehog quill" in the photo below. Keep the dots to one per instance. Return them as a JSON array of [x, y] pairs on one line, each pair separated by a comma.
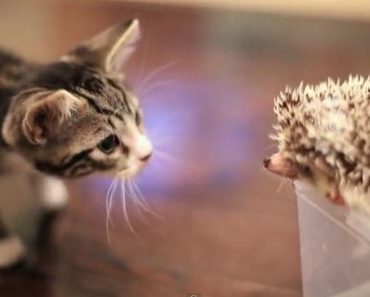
[[323, 136]]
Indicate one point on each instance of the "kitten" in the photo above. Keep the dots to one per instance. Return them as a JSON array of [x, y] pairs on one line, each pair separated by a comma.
[[70, 118]]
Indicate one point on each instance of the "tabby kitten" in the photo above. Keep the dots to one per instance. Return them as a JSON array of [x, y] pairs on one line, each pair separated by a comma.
[[70, 118]]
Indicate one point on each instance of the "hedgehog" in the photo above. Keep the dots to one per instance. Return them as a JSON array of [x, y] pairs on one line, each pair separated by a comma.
[[323, 137]]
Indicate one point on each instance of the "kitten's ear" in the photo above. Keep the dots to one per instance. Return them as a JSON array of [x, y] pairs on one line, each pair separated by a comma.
[[45, 116], [109, 49]]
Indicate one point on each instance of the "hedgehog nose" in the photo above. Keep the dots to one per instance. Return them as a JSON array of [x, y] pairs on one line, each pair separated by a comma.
[[266, 162]]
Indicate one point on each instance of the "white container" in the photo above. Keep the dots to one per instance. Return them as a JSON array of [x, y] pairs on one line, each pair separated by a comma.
[[335, 247]]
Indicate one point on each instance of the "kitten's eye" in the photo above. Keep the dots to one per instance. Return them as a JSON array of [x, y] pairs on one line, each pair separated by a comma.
[[108, 144], [137, 118]]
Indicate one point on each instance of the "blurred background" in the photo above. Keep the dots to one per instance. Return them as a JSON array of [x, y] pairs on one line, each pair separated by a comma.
[[207, 72]]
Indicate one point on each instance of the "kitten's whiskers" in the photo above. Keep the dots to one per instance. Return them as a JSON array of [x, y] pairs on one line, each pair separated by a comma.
[[144, 83], [142, 201], [153, 86], [109, 201], [124, 207], [109, 198], [133, 196]]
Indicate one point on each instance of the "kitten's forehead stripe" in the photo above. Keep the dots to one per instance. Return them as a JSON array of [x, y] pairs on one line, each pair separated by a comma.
[[103, 94], [110, 122], [114, 85], [71, 76], [101, 110], [92, 102]]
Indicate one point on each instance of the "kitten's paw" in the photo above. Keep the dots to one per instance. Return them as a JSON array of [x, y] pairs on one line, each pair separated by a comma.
[[54, 194], [12, 251]]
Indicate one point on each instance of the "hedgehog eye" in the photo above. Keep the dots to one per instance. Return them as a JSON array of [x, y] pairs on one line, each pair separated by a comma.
[[108, 144], [306, 170]]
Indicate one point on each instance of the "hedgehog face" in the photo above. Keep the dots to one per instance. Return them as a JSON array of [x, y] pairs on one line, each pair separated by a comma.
[[316, 172], [289, 168]]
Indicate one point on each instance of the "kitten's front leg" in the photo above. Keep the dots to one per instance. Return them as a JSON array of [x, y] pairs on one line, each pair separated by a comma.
[[12, 249], [54, 198], [52, 192]]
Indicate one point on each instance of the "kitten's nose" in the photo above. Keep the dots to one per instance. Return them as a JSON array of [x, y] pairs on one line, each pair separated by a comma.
[[143, 148], [146, 158]]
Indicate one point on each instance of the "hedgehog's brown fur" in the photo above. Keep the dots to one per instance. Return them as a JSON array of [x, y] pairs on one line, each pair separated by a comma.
[[330, 121]]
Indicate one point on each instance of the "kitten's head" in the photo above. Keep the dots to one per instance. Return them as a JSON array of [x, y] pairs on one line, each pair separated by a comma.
[[77, 116]]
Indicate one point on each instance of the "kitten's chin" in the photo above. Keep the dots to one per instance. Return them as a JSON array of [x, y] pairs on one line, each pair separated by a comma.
[[130, 172]]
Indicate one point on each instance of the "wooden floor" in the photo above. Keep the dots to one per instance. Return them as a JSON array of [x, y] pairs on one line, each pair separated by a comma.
[[207, 80]]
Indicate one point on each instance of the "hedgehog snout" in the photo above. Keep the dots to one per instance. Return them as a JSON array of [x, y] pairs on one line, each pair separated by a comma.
[[280, 165], [266, 162]]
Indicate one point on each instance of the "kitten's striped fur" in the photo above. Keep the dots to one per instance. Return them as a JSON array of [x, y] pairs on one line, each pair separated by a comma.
[[75, 116]]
